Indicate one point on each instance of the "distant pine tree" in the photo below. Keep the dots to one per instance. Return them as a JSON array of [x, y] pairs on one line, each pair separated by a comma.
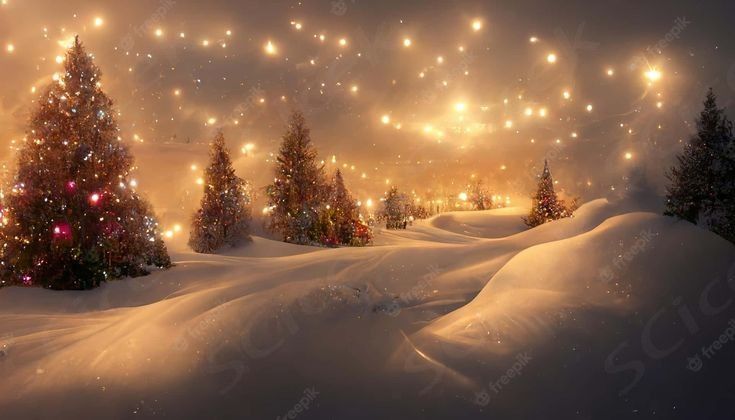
[[224, 216], [73, 217], [546, 205], [296, 197], [394, 209], [702, 188]]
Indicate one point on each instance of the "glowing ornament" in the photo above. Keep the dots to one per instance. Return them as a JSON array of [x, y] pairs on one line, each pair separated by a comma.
[[94, 199]]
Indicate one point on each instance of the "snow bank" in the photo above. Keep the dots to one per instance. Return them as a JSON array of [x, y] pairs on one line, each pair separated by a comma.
[[378, 331]]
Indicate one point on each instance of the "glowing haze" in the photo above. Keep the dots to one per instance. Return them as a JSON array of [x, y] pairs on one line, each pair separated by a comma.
[[421, 94]]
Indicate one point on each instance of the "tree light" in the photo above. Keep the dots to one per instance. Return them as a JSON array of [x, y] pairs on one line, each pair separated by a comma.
[[551, 58], [476, 25]]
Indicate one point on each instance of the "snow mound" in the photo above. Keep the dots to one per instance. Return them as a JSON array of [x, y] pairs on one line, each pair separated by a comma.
[[416, 327], [497, 223], [613, 314]]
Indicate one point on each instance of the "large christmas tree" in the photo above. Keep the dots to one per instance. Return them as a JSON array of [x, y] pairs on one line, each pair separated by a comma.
[[298, 194], [546, 204], [224, 216], [74, 218], [702, 185]]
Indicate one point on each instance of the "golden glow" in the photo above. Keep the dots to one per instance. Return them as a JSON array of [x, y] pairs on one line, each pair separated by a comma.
[[628, 155], [551, 58], [533, 40], [270, 48], [610, 72], [247, 148], [589, 108], [463, 196], [653, 75], [460, 107], [477, 25], [10, 48], [385, 119], [566, 94], [407, 42], [440, 60], [98, 21], [159, 32], [343, 42]]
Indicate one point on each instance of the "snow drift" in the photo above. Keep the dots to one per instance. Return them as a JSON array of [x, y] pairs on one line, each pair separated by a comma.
[[594, 316]]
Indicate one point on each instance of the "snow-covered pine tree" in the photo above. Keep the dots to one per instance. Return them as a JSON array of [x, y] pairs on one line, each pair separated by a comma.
[[223, 218], [74, 218], [296, 197], [343, 210], [546, 205], [479, 196], [702, 185], [394, 209]]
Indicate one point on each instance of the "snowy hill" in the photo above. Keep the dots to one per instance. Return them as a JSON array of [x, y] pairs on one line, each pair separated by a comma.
[[424, 324]]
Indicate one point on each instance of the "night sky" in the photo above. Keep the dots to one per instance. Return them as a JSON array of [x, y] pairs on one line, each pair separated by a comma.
[[420, 94]]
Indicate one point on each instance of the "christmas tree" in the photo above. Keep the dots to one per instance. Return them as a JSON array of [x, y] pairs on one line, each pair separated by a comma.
[[702, 187], [224, 216], [546, 205], [73, 217], [394, 209], [343, 210], [297, 196]]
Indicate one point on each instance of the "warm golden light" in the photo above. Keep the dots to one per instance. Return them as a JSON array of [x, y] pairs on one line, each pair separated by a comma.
[[98, 21], [159, 32], [653, 75], [628, 155], [407, 42], [10, 48], [343, 42], [460, 107], [270, 48], [463, 196], [385, 119], [476, 25], [551, 58], [566, 94]]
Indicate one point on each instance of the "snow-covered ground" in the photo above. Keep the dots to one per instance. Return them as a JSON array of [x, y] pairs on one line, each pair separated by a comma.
[[465, 315]]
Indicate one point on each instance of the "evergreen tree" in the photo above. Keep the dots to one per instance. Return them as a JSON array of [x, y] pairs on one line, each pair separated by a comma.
[[546, 205], [394, 209], [73, 216], [296, 197], [224, 216], [479, 196], [701, 187], [342, 209]]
